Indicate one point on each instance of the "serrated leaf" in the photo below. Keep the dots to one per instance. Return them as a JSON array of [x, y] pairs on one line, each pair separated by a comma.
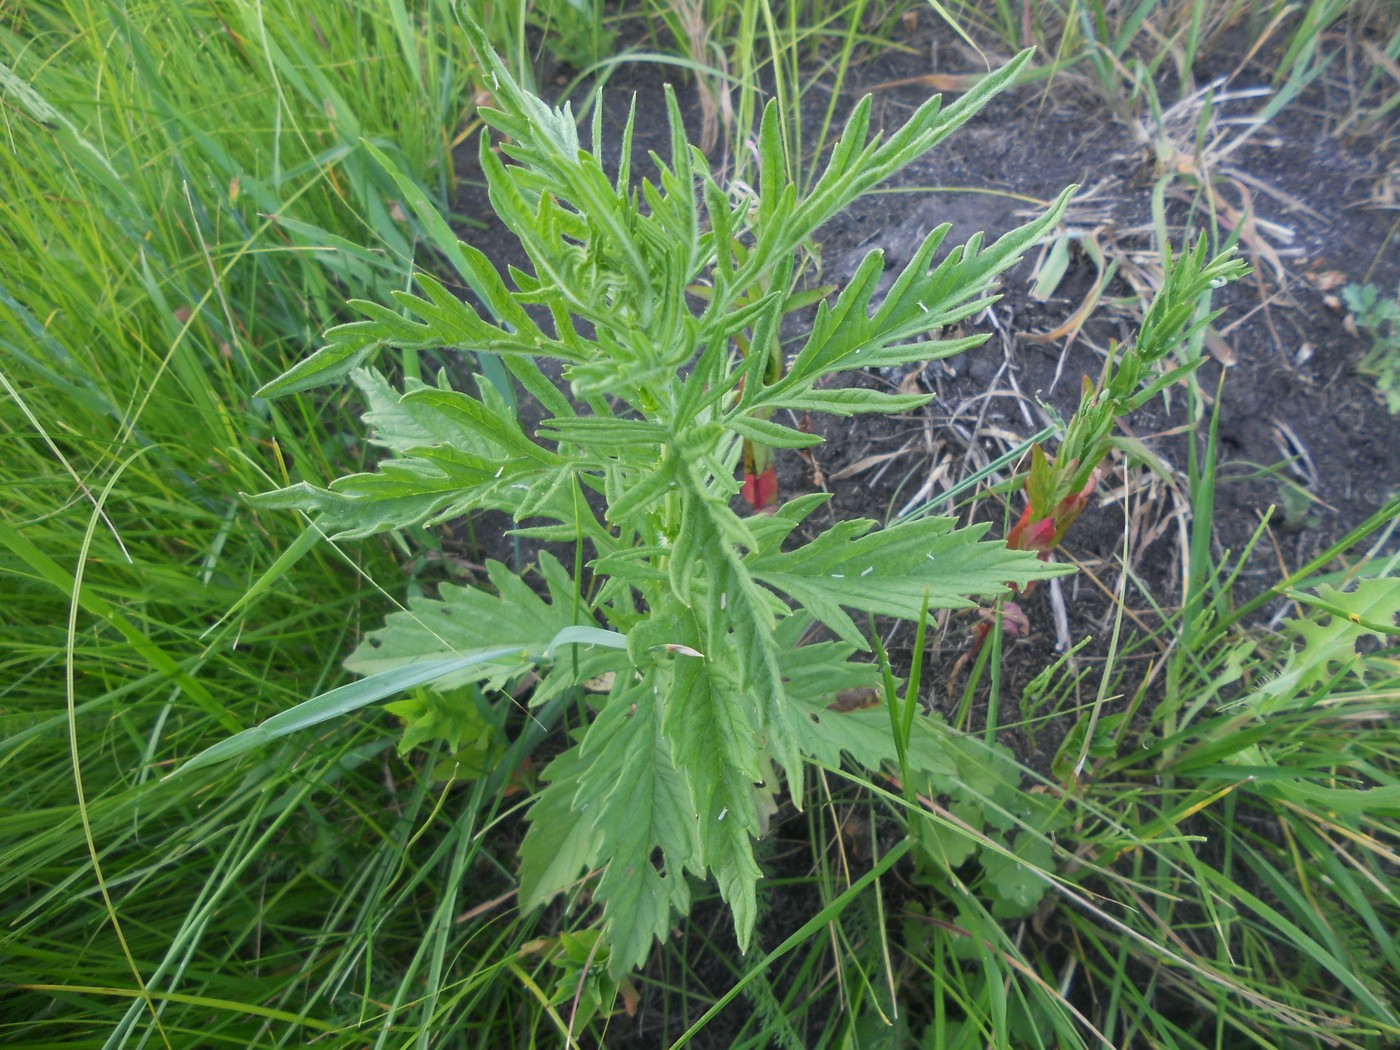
[[865, 165], [392, 326], [814, 675], [404, 493], [894, 571], [865, 736], [452, 322], [560, 845], [1328, 637], [714, 734], [851, 335], [451, 716], [645, 491], [452, 452], [464, 619], [401, 422], [350, 346], [613, 268], [949, 844], [607, 434], [488, 417], [637, 802], [728, 850], [987, 774]]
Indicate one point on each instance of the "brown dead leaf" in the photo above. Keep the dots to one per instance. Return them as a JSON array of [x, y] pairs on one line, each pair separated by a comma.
[[1326, 280], [857, 699], [860, 466], [955, 83], [1219, 349]]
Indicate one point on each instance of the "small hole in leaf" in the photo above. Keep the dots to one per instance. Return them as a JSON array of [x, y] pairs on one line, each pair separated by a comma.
[[658, 858]]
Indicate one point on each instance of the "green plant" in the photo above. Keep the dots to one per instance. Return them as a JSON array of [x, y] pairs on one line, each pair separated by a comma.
[[744, 52], [167, 244], [1058, 489], [1234, 837], [183, 200], [574, 32], [1379, 318], [678, 765], [1256, 808], [1240, 805]]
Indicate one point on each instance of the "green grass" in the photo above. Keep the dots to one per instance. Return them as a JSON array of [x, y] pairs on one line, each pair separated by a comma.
[[185, 204], [742, 54]]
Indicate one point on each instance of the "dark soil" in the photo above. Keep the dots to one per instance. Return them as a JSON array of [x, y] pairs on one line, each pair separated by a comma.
[[1282, 360]]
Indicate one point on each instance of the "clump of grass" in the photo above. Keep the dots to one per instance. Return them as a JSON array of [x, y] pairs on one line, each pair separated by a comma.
[[1221, 863], [184, 198], [742, 54]]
